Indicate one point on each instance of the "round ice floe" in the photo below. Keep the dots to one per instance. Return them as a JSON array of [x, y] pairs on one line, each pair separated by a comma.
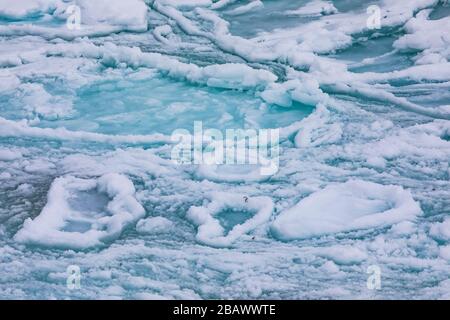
[[344, 207], [211, 232], [83, 213]]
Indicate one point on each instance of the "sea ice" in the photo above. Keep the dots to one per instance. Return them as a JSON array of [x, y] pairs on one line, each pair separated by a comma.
[[211, 232], [252, 5], [344, 207], [25, 8], [318, 129], [429, 36], [314, 8], [154, 225], [94, 107], [131, 14], [83, 213], [441, 230]]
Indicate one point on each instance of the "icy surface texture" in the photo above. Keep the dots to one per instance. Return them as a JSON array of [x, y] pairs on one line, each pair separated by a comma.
[[87, 180]]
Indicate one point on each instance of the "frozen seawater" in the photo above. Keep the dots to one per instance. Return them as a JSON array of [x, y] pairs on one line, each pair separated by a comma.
[[86, 177], [71, 219]]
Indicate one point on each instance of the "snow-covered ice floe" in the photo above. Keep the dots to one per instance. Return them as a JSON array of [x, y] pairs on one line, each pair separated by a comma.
[[154, 225], [211, 232], [344, 207], [314, 8], [83, 213], [93, 18]]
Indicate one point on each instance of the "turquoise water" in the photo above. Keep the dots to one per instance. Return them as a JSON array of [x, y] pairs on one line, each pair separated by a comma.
[[161, 105]]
